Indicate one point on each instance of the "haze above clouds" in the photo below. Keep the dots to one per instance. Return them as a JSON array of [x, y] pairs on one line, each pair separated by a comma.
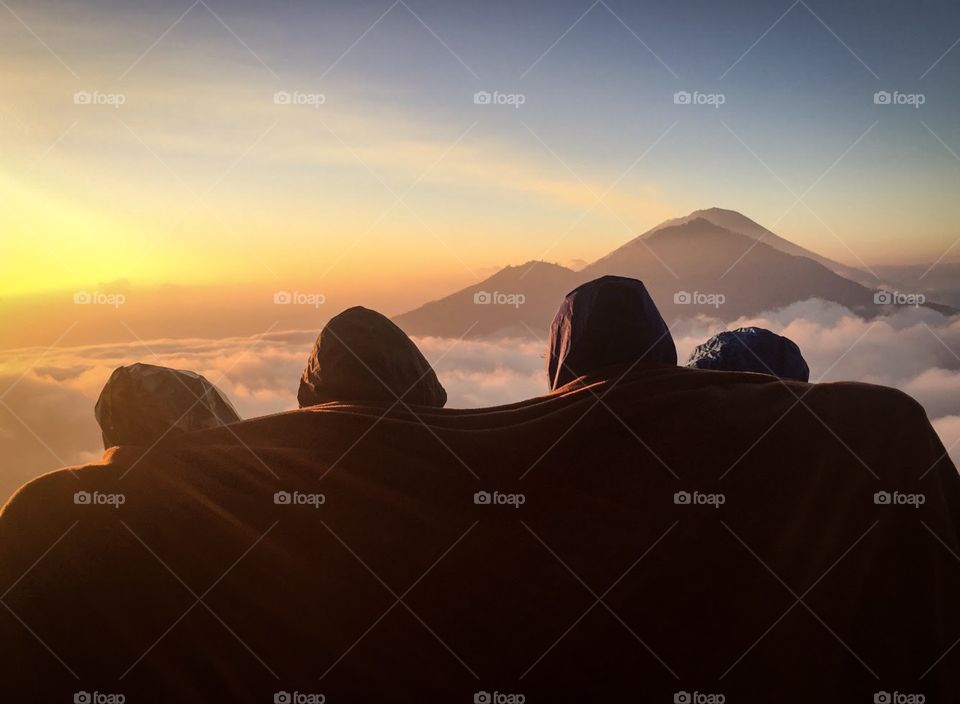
[[913, 350]]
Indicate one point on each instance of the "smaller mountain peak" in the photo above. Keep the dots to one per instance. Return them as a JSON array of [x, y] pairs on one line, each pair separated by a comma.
[[715, 211], [535, 262], [693, 222]]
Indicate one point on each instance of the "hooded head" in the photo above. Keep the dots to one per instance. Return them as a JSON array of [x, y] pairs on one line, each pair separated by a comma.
[[607, 321], [360, 357], [142, 403], [751, 350]]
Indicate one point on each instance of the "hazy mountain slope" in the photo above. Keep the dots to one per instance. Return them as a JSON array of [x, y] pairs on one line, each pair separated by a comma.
[[694, 258], [686, 258], [541, 284], [741, 224], [941, 282], [691, 266]]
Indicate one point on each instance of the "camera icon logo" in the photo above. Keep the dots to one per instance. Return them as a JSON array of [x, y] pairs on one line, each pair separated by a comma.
[[282, 97], [882, 698], [882, 498], [82, 698], [883, 298], [282, 498], [82, 298], [482, 498], [482, 698], [882, 97], [282, 298], [482, 298], [282, 698], [682, 298], [681, 698], [682, 498], [82, 97], [82, 498], [682, 97], [482, 97]]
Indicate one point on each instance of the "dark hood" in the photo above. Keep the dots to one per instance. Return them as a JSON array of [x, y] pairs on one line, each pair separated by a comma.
[[360, 356], [751, 350], [607, 321], [142, 403]]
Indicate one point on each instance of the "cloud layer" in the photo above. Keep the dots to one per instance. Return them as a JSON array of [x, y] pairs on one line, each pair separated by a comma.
[[47, 397]]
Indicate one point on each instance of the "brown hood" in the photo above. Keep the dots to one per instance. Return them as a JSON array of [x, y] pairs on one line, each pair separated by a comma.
[[360, 356], [142, 403]]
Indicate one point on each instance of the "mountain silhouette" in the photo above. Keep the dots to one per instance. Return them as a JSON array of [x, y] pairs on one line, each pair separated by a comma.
[[741, 224], [474, 312], [713, 262]]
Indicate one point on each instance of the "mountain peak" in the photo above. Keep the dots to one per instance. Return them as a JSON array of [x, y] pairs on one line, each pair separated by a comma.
[[696, 252], [723, 217], [728, 218], [699, 218], [538, 263], [740, 224], [715, 210], [692, 223]]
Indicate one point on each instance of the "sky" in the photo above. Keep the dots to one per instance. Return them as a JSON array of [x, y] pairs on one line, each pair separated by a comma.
[[144, 144], [182, 162]]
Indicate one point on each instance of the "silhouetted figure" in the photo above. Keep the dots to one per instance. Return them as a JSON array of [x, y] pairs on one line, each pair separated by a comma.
[[361, 356], [607, 321], [142, 403], [751, 350]]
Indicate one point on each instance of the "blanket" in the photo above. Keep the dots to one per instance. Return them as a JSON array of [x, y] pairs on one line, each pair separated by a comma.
[[658, 534]]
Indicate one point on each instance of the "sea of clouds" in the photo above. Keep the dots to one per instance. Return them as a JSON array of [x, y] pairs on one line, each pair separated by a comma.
[[47, 396]]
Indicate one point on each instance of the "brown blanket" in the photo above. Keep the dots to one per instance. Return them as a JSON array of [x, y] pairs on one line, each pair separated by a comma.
[[675, 535]]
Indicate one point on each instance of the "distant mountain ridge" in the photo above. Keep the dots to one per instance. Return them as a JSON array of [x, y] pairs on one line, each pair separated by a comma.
[[712, 262], [741, 224]]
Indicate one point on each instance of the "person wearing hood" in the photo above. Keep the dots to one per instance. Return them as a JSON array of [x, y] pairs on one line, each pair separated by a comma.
[[142, 403], [361, 356], [751, 350], [605, 322]]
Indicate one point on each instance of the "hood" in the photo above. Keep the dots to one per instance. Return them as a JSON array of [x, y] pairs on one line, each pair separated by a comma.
[[751, 350], [142, 403], [607, 321], [361, 356]]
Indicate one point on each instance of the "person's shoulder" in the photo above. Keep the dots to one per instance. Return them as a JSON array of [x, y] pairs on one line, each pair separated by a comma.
[[872, 397], [52, 491]]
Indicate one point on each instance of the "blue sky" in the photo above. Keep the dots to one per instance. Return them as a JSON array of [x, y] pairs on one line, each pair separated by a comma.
[[797, 144]]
